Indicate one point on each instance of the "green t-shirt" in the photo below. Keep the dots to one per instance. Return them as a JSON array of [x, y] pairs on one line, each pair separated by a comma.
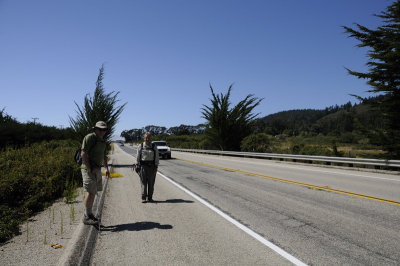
[[95, 148]]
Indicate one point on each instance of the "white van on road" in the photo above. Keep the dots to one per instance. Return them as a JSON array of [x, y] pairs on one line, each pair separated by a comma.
[[163, 150]]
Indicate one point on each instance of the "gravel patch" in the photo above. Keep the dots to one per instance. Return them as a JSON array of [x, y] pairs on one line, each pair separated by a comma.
[[33, 246]]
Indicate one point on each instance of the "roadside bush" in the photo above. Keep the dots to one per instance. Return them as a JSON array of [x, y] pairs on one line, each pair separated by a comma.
[[316, 150], [260, 142], [348, 137], [9, 225], [305, 144], [186, 141], [296, 148], [31, 178]]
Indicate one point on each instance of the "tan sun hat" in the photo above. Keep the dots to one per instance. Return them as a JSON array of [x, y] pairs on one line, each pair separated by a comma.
[[100, 124]]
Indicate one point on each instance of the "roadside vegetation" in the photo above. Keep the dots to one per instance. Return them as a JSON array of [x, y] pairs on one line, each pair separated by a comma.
[[36, 161], [31, 178]]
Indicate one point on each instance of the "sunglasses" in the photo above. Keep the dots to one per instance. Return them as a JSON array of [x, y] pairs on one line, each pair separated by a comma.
[[102, 129]]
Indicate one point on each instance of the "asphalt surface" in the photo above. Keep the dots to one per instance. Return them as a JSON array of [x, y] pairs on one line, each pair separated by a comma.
[[316, 226], [175, 230]]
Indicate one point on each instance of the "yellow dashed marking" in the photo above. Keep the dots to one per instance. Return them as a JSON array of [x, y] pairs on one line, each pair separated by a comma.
[[326, 188]]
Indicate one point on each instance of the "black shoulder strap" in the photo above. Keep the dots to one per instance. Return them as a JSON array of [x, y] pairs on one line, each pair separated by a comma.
[[140, 152], [154, 150]]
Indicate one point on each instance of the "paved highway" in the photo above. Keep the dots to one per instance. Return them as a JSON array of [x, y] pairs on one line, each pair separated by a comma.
[[318, 216]]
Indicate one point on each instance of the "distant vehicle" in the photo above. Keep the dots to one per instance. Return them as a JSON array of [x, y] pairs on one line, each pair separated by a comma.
[[121, 144], [163, 150]]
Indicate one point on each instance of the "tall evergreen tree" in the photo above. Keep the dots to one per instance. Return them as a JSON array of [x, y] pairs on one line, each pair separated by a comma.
[[226, 127], [101, 107], [384, 70]]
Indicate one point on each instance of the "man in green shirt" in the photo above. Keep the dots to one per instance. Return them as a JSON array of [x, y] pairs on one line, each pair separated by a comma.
[[93, 156]]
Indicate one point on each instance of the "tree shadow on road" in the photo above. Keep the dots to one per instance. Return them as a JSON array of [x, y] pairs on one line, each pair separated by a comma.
[[139, 226]]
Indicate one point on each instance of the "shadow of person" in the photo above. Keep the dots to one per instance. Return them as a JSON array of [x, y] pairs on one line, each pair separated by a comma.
[[139, 226], [121, 165], [172, 201]]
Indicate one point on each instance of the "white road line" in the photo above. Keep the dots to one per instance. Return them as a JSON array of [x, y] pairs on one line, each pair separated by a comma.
[[238, 224]]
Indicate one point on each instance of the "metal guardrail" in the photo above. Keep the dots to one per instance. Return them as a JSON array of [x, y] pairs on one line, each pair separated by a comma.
[[351, 162]]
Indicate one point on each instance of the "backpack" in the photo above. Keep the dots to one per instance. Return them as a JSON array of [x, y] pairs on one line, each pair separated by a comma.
[[78, 156]]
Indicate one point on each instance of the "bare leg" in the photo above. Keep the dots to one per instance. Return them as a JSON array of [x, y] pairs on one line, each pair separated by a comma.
[[89, 199]]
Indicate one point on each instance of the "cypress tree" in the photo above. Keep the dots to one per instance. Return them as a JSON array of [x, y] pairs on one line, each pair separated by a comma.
[[383, 73], [100, 107], [226, 127]]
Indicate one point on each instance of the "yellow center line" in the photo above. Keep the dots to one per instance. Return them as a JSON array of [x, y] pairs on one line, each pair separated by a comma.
[[326, 188]]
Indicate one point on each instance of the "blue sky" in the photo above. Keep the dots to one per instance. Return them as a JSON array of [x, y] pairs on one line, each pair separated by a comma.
[[162, 55]]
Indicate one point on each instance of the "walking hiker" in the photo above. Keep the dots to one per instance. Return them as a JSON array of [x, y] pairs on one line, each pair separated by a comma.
[[147, 158], [93, 156]]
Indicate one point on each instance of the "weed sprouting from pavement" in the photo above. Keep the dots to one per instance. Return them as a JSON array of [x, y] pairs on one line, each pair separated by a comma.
[[62, 224], [27, 230], [72, 213], [45, 238]]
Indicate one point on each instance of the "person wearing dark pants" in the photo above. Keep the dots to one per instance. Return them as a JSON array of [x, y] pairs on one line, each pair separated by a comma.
[[147, 178], [147, 157]]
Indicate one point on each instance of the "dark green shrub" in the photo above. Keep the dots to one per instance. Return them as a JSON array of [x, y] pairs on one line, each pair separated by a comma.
[[31, 178], [260, 142], [348, 137], [316, 150], [297, 148], [9, 223], [186, 141]]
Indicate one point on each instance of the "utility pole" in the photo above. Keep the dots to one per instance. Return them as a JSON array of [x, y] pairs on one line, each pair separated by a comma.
[[34, 120]]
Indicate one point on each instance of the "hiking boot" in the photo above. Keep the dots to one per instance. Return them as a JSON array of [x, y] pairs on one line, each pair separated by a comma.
[[88, 220], [92, 217]]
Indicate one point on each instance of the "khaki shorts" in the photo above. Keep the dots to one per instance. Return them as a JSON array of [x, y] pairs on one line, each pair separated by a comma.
[[89, 181]]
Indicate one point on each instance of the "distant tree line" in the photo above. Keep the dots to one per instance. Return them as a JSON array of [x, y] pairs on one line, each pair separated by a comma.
[[16, 134], [335, 120], [136, 134], [348, 123]]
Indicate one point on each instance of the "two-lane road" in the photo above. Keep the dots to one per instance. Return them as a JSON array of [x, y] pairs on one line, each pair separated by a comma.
[[304, 210]]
